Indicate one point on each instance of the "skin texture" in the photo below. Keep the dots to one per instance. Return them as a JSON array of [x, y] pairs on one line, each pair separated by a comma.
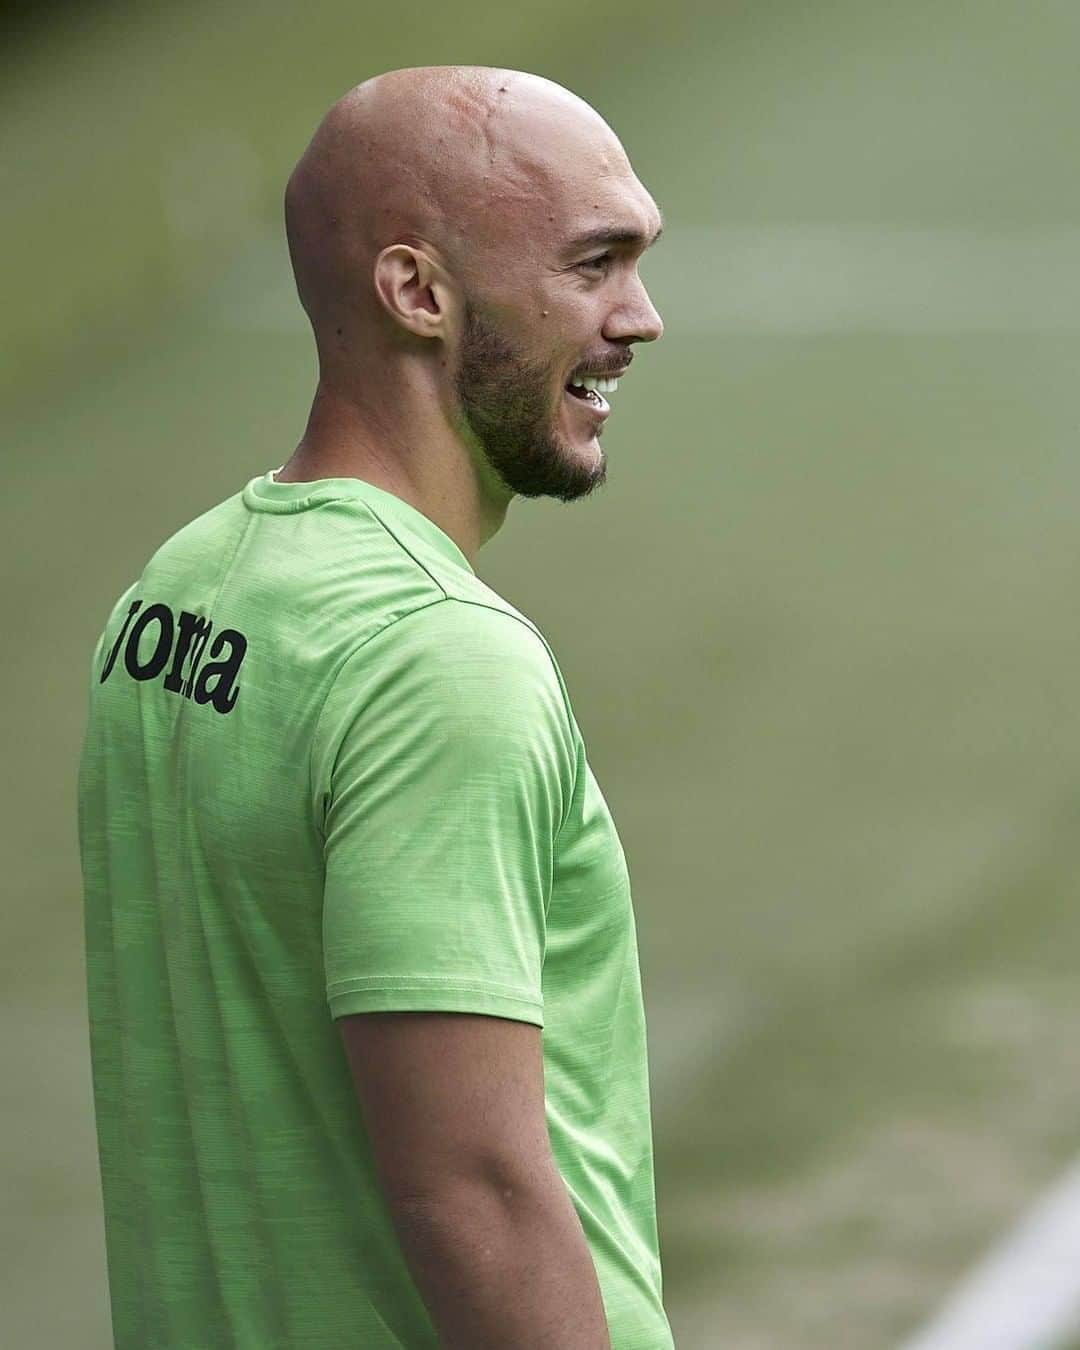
[[428, 222]]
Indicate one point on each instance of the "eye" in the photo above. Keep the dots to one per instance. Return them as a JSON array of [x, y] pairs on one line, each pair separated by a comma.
[[603, 258]]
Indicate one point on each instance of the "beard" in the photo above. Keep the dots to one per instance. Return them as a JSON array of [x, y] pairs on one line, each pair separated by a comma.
[[505, 404]]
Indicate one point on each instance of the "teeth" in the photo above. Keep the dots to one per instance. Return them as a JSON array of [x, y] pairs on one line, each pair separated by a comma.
[[602, 386]]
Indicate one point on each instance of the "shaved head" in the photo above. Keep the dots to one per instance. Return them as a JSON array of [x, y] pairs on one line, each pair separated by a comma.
[[431, 223], [469, 159]]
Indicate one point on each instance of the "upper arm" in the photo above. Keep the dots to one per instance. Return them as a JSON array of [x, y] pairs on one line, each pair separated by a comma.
[[448, 1097], [447, 761]]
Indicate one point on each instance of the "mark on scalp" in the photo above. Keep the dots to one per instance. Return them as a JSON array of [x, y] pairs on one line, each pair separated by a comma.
[[470, 100]]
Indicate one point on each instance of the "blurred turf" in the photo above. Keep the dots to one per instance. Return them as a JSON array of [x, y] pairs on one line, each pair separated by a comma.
[[818, 628]]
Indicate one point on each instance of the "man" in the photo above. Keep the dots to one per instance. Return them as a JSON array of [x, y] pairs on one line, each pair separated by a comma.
[[330, 777]]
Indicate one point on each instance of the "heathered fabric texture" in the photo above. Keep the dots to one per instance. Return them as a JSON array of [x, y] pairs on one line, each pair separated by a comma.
[[329, 770]]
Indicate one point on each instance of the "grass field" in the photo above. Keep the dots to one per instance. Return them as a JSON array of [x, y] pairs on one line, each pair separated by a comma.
[[818, 630]]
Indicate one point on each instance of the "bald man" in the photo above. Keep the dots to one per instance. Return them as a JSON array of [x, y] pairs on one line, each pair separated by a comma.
[[367, 1034]]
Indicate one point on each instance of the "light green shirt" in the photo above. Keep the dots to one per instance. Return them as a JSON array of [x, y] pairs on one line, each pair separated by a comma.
[[328, 770]]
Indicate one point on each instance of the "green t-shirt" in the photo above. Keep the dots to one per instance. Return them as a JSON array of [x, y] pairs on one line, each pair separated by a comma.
[[328, 770]]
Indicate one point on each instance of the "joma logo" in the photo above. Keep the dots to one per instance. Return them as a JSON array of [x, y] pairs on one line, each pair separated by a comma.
[[181, 639]]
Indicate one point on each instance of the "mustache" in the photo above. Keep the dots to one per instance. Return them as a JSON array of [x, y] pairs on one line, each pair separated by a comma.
[[605, 365]]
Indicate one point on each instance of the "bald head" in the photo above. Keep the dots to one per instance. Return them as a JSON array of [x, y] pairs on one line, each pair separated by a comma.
[[465, 241], [475, 162]]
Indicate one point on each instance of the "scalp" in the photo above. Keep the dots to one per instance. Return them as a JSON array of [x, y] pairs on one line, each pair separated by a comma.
[[458, 157]]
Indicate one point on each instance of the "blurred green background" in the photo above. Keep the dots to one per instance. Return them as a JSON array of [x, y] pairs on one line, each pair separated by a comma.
[[818, 628]]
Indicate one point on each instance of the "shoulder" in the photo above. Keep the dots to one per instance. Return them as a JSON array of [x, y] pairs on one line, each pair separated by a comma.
[[457, 648], [453, 665], [460, 627]]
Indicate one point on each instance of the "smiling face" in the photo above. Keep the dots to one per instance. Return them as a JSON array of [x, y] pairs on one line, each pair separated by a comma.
[[553, 296], [465, 240]]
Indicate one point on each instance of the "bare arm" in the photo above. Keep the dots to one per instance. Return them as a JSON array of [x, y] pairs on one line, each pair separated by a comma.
[[454, 1105]]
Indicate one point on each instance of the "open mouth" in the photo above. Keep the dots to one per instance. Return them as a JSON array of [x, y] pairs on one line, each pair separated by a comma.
[[591, 390], [585, 395], [591, 399]]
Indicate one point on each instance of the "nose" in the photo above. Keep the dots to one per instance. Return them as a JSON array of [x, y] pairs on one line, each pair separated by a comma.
[[635, 319]]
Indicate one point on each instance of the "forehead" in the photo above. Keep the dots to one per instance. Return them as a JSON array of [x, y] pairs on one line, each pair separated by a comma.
[[551, 172], [566, 179], [610, 208]]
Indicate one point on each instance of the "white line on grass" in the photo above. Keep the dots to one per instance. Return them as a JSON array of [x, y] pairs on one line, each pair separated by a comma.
[[795, 279], [1025, 1294]]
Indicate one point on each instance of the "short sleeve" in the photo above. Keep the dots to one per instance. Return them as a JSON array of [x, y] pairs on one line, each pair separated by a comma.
[[447, 755]]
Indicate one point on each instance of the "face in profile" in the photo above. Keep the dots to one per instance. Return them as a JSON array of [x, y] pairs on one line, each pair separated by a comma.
[[561, 299]]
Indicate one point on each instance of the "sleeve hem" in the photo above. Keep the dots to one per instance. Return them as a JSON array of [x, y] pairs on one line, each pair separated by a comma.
[[353, 996]]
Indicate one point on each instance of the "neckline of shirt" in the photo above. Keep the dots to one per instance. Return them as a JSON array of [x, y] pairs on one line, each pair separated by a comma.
[[265, 493]]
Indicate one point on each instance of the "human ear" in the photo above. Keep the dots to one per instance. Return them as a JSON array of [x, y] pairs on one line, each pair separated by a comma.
[[413, 289]]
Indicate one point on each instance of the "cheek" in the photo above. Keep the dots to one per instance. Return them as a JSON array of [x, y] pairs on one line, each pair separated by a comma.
[[573, 324], [565, 323]]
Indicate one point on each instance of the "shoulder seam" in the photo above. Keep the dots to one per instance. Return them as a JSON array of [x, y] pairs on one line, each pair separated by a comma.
[[443, 596], [373, 511], [439, 600]]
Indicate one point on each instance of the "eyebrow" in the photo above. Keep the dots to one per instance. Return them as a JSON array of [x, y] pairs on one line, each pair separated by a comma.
[[607, 235]]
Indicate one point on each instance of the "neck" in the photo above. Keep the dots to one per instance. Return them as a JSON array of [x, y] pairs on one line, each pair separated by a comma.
[[346, 437]]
